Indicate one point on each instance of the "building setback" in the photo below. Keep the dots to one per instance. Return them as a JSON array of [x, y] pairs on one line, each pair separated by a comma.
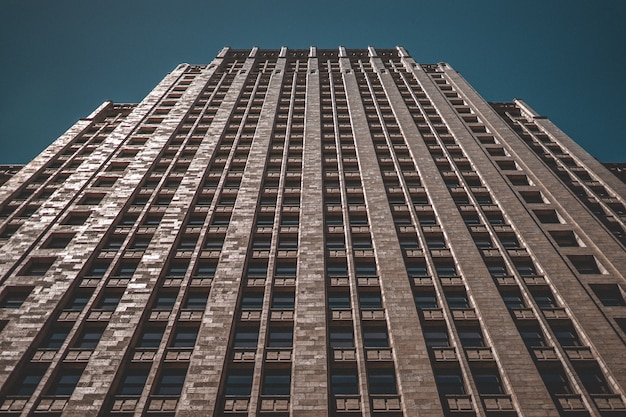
[[313, 233]]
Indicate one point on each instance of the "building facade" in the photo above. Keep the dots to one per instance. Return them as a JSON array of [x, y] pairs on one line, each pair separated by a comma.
[[313, 233]]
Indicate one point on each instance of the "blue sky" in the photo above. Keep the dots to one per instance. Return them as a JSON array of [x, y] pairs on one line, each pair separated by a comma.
[[62, 58]]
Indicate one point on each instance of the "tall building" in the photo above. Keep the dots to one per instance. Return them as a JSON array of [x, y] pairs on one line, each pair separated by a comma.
[[313, 233]]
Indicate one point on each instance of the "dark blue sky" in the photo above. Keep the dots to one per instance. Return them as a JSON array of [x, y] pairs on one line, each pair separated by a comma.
[[62, 58]]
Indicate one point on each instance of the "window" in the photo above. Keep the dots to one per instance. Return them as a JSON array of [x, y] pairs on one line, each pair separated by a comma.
[[109, 301], [339, 301], [114, 242], [277, 382], [65, 382], [257, 270], [150, 338], [283, 301], [408, 242], [55, 338], [426, 300], [280, 337], [196, 220], [488, 383], [140, 243], [533, 337], [532, 197], [285, 269], [544, 299], [185, 337], [14, 297], [58, 241], [547, 216], [445, 269], [509, 241], [187, 243], [585, 264], [593, 380], [471, 337], [497, 269], [565, 238], [165, 301], [567, 336], [457, 299], [214, 243], [525, 268], [246, 338], [196, 301], [128, 220], [344, 382], [483, 242], [416, 269], [375, 337], [450, 383], [370, 301], [556, 381], [27, 383], [513, 300], [382, 382], [609, 295], [78, 302], [133, 382], [98, 269], [9, 231], [205, 269], [365, 269], [37, 266], [337, 269], [252, 301], [126, 269], [436, 337], [171, 381], [152, 220], [341, 337], [238, 382], [89, 338]]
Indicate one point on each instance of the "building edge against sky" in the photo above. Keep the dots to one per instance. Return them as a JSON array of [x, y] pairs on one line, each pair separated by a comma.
[[311, 233]]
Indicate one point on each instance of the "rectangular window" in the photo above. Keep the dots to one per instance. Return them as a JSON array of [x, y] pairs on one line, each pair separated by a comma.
[[341, 337], [280, 337], [375, 337], [610, 295], [133, 382], [185, 337], [436, 337], [370, 301], [382, 382], [196, 301], [344, 382], [171, 381], [471, 337], [283, 301], [277, 382], [89, 338], [450, 383], [27, 382], [65, 382], [238, 382], [488, 383], [14, 297], [150, 338], [246, 338]]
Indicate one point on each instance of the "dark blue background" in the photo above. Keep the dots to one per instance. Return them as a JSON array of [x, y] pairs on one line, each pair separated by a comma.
[[60, 59]]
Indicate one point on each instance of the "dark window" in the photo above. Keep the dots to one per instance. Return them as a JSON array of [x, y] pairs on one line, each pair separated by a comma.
[[196, 301], [337, 269], [277, 382], [37, 267], [370, 300], [78, 302], [339, 301], [471, 337], [27, 383], [285, 269], [165, 301], [344, 382], [152, 220], [9, 231], [532, 196], [361, 242], [283, 301], [265, 220], [445, 269], [252, 301], [109, 302], [497, 269], [205, 270], [65, 382], [140, 243], [509, 241], [457, 299], [246, 338], [178, 269], [341, 338], [436, 337], [375, 337], [513, 300], [89, 338], [171, 381], [525, 268], [450, 383], [55, 339], [214, 243], [257, 270], [567, 336], [14, 298], [593, 380], [382, 382], [133, 382], [426, 300], [280, 337], [114, 242], [609, 295], [365, 269], [185, 337], [547, 216], [416, 269], [544, 299], [187, 243], [408, 242], [483, 242], [196, 220], [565, 238], [556, 381], [126, 269], [238, 382], [488, 383], [150, 338], [533, 337], [58, 242], [584, 264]]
